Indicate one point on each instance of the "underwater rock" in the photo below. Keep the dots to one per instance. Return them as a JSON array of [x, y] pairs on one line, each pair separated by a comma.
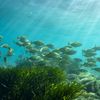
[[87, 75], [91, 83], [88, 96]]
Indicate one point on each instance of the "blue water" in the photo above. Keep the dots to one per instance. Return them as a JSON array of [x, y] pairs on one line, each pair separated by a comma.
[[63, 20], [53, 21]]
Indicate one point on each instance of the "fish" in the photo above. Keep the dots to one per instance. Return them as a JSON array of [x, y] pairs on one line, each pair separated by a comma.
[[44, 49], [5, 46], [89, 64], [98, 59], [1, 37], [96, 48], [96, 69], [71, 52], [23, 41], [78, 59], [29, 47], [50, 46], [53, 55], [5, 60], [88, 50], [26, 43], [88, 53], [36, 58], [19, 43], [67, 50], [3, 85], [10, 52], [38, 43], [75, 44], [33, 50], [56, 50], [69, 46], [22, 38], [91, 60]]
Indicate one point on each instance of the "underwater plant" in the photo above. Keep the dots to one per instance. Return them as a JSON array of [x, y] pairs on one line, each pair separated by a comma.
[[8, 78], [35, 84], [64, 91]]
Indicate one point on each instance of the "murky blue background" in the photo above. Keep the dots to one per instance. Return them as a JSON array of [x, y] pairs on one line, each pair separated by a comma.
[[53, 21]]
